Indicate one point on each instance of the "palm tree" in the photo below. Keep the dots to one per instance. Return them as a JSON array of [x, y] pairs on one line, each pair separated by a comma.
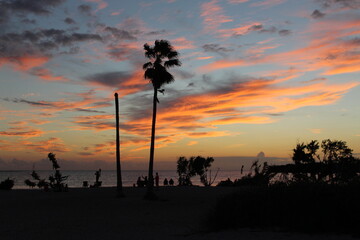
[[162, 56], [119, 187]]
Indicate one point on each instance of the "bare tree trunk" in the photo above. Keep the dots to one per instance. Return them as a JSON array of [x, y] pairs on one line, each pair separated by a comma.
[[150, 195], [118, 166]]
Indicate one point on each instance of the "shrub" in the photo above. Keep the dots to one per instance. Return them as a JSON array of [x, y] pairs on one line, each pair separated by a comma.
[[304, 208], [7, 184]]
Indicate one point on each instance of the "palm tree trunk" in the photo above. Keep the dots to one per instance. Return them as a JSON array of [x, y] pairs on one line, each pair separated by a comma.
[[118, 166], [150, 195]]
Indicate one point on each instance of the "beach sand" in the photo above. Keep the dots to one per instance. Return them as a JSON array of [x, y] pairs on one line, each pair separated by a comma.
[[97, 213]]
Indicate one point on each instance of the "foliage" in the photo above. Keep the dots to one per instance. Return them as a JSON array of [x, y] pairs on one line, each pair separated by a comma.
[[56, 181], [41, 183], [337, 166], [300, 207], [7, 184], [258, 176], [199, 165]]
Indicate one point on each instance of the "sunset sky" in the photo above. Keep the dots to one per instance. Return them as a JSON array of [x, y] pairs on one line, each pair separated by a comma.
[[257, 77]]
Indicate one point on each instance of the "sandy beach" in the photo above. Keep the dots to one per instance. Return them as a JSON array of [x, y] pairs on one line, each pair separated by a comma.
[[179, 213]]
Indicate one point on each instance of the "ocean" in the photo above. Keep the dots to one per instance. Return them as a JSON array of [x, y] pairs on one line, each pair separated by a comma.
[[108, 177]]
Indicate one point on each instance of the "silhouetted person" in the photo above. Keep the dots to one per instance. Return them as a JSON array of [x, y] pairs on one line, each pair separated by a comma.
[[171, 182], [139, 182], [157, 178], [242, 169], [166, 182], [97, 175], [145, 181]]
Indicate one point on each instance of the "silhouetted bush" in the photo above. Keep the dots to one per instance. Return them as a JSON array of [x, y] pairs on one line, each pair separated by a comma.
[[7, 184], [225, 183], [195, 166], [56, 181], [299, 207]]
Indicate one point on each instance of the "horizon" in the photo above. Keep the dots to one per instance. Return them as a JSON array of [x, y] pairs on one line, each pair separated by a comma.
[[257, 76]]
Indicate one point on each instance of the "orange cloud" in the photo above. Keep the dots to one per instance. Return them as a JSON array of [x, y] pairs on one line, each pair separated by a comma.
[[213, 15], [204, 58], [45, 74], [238, 31], [191, 143], [24, 132], [221, 64], [25, 63], [50, 145], [207, 134]]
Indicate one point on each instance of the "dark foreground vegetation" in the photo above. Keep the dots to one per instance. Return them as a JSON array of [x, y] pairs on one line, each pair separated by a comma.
[[303, 208], [7, 184], [319, 192]]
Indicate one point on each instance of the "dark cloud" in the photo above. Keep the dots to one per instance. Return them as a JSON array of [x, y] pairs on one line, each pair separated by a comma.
[[17, 100], [41, 42], [284, 32], [30, 6], [256, 27], [216, 48], [28, 21], [354, 41], [85, 9], [315, 80], [118, 53], [156, 32], [317, 14], [120, 34], [354, 4], [69, 20], [88, 110], [271, 29], [110, 79], [13, 7]]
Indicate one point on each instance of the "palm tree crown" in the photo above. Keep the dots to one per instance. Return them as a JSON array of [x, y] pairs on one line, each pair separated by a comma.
[[162, 56]]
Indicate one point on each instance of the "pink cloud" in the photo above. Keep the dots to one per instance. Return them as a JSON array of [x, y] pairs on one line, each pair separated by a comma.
[[213, 15], [267, 3], [182, 43], [101, 4], [237, 1]]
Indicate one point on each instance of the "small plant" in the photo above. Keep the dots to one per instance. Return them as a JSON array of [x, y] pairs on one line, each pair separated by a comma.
[[56, 181], [7, 184]]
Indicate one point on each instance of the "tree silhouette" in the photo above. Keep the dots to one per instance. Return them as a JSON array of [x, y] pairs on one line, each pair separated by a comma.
[[162, 56]]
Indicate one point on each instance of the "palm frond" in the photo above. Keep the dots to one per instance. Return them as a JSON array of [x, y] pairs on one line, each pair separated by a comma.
[[147, 65], [149, 51], [172, 54], [149, 74], [172, 63]]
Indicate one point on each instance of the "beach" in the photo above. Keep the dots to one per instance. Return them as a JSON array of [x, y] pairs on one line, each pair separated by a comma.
[[96, 213]]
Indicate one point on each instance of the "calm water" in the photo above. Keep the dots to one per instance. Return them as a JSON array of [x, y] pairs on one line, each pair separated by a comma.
[[108, 178]]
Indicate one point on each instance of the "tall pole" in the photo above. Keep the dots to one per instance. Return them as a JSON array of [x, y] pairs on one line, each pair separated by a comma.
[[118, 166]]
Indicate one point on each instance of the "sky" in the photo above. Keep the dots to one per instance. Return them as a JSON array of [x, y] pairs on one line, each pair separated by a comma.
[[257, 77]]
